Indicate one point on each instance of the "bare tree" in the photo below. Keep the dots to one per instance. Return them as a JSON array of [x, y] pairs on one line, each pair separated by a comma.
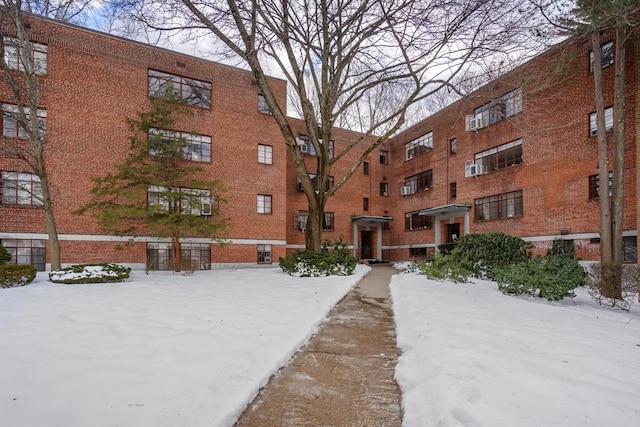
[[22, 68], [592, 17], [359, 64]]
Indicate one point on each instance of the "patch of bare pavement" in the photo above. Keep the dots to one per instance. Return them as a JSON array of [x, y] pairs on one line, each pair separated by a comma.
[[344, 375]]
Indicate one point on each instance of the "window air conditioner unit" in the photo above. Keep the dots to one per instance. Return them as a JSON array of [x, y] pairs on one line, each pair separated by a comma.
[[474, 123], [304, 147], [471, 169], [405, 190], [267, 259]]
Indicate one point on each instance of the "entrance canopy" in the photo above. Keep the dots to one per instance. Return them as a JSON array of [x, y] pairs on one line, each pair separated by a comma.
[[448, 212], [369, 221]]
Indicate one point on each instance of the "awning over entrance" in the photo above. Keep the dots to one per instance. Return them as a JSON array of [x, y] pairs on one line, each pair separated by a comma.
[[364, 241], [448, 212]]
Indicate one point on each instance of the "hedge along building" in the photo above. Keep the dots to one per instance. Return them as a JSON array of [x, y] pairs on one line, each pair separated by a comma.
[[515, 156]]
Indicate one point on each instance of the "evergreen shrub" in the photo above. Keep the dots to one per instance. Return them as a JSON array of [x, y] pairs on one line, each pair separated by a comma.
[[5, 256], [553, 277], [12, 275], [335, 259], [90, 273]]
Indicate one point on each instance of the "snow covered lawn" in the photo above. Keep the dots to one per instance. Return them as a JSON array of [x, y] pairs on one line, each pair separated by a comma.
[[474, 357], [157, 350]]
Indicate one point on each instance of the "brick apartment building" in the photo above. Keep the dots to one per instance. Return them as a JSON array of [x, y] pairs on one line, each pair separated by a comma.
[[516, 156]]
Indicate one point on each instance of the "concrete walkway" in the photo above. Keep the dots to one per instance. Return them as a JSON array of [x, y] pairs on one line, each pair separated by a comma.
[[344, 375]]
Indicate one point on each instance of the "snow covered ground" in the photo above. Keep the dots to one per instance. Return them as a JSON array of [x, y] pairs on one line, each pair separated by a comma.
[[474, 357], [163, 350], [169, 350]]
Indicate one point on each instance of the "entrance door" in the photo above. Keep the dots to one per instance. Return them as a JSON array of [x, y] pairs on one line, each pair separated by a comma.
[[365, 245], [453, 232]]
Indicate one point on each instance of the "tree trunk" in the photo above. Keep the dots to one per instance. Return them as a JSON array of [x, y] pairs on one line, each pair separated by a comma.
[[617, 202], [313, 231], [177, 253], [52, 232], [607, 279]]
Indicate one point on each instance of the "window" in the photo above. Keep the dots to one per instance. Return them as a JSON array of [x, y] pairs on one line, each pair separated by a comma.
[[507, 105], [414, 221], [608, 121], [500, 206], [384, 189], [563, 247], [594, 185], [195, 92], [262, 105], [453, 146], [195, 255], [384, 157], [21, 189], [194, 147], [31, 252], [15, 62], [301, 220], [420, 182], [453, 190], [419, 146], [312, 176], [265, 154], [188, 201], [13, 126], [500, 157], [365, 168], [327, 221], [264, 204], [607, 56], [306, 146], [264, 254], [365, 204], [418, 252], [630, 248]]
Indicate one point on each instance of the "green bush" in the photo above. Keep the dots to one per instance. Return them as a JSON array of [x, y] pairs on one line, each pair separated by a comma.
[[447, 248], [482, 253], [16, 275], [90, 273], [442, 267], [335, 259], [5, 256], [552, 276]]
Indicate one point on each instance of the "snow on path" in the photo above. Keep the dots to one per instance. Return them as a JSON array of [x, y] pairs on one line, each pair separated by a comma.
[[163, 350], [474, 357]]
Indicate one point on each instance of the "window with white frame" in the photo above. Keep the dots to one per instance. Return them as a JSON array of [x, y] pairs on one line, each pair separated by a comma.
[[26, 251], [314, 180], [415, 221], [16, 125], [306, 146], [608, 121], [419, 146], [194, 147], [499, 109], [262, 105], [607, 56], [196, 93], [264, 254], [19, 188], [196, 255], [506, 205], [15, 61], [420, 182], [187, 201], [265, 154], [264, 204], [500, 157]]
